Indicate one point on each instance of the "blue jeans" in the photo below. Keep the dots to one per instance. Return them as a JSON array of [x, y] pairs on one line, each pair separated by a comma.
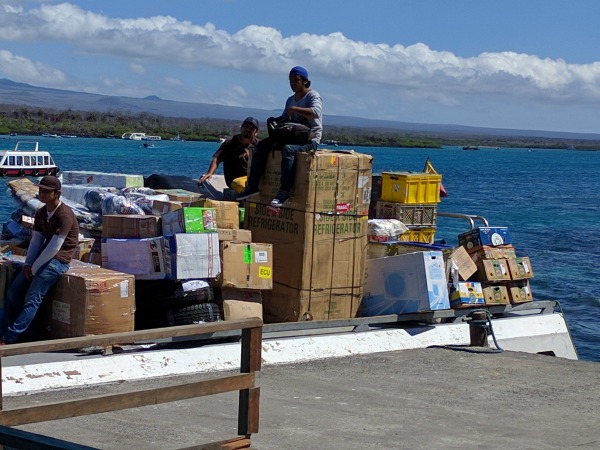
[[23, 298], [288, 153]]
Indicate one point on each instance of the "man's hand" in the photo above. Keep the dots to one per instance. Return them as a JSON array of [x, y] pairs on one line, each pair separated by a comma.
[[28, 273], [203, 178]]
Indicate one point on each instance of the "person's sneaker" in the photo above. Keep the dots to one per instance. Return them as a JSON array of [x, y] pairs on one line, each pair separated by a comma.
[[246, 193], [280, 199]]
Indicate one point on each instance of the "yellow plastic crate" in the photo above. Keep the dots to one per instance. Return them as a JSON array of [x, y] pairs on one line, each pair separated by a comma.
[[408, 187], [424, 235]]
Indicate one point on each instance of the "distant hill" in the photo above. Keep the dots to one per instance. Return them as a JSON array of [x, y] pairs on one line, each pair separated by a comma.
[[24, 94]]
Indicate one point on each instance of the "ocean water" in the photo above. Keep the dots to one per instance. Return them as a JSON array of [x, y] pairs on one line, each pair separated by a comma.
[[549, 199]]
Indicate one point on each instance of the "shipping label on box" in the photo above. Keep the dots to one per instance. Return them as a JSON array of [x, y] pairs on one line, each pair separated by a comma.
[[493, 270], [495, 294], [467, 293], [484, 236], [190, 256], [143, 258], [227, 213], [406, 283], [189, 220], [132, 226], [90, 300], [246, 265], [520, 268], [239, 235]]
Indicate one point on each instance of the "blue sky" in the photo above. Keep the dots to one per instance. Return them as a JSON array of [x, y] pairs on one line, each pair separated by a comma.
[[531, 64]]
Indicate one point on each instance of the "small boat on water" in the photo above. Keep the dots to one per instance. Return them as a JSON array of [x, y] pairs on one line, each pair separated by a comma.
[[178, 138], [28, 161], [470, 147], [133, 136], [151, 138]]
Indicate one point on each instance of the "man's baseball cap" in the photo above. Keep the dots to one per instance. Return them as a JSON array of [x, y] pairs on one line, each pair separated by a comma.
[[251, 120], [301, 71], [50, 182]]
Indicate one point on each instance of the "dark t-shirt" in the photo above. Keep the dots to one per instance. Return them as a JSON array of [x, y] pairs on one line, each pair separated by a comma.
[[234, 155], [63, 221]]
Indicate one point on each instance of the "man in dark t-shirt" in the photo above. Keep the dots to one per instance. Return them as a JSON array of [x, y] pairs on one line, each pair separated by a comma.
[[53, 242], [234, 154]]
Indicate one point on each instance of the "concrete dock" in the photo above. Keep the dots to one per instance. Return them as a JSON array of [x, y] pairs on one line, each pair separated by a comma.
[[430, 398]]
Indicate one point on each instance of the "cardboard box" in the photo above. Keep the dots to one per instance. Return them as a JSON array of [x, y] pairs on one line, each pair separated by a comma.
[[495, 295], [192, 256], [484, 236], [467, 293], [189, 220], [520, 268], [325, 181], [116, 180], [519, 291], [488, 252], [143, 258], [180, 195], [246, 265], [462, 262], [89, 301], [239, 235], [406, 283], [160, 207], [311, 251], [177, 257], [240, 303], [382, 249], [492, 270], [287, 304], [228, 213], [134, 226], [408, 187]]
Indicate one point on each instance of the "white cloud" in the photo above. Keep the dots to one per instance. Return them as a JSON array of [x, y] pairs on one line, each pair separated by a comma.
[[28, 71], [377, 73]]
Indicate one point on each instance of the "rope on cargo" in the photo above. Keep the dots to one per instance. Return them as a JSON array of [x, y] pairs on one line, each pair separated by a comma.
[[485, 324]]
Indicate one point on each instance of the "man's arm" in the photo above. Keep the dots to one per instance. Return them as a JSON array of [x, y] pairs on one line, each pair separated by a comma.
[[212, 168], [49, 252]]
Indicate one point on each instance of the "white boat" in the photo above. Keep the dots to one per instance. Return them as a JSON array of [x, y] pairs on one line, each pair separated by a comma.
[[151, 138], [133, 136], [178, 138], [28, 161]]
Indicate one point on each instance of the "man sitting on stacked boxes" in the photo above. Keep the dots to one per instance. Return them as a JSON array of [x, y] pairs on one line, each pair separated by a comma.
[[304, 107]]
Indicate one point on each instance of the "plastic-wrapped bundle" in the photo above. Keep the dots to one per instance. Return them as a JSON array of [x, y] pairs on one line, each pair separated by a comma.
[[116, 204], [125, 192], [144, 200], [383, 230], [94, 199]]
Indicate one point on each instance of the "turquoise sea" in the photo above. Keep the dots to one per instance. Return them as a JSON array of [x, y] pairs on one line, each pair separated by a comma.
[[549, 199]]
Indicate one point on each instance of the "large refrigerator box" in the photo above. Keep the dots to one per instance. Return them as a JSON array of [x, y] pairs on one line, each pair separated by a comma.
[[311, 251], [116, 180], [325, 181], [89, 301], [407, 283], [246, 265], [130, 226], [287, 304]]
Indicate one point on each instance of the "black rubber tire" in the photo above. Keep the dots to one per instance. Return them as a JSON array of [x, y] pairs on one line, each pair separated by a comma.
[[21, 172], [201, 312]]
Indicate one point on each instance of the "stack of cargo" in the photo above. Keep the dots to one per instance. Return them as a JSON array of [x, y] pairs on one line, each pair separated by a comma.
[[318, 236], [499, 275], [411, 198]]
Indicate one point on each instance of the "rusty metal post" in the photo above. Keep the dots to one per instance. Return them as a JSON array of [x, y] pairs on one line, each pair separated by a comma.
[[478, 329]]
